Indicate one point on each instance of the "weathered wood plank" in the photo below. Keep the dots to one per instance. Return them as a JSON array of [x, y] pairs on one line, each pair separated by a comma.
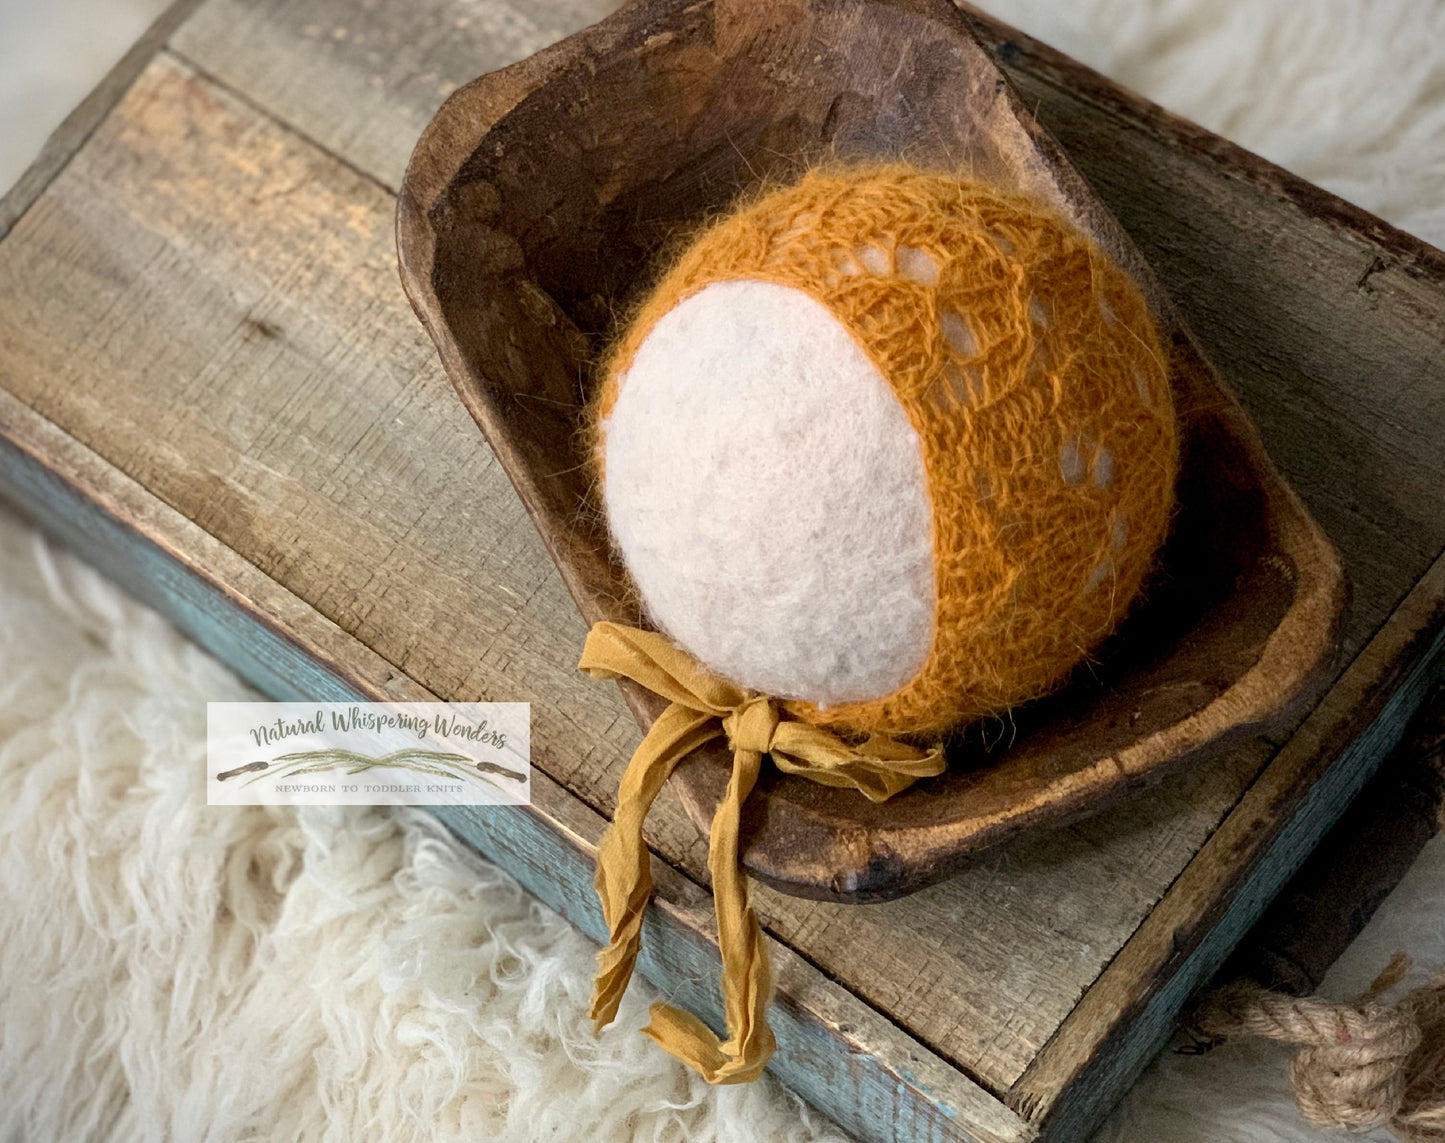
[[1355, 867], [1328, 322], [1128, 1013], [76, 128], [835, 1051], [362, 80], [291, 313], [218, 302]]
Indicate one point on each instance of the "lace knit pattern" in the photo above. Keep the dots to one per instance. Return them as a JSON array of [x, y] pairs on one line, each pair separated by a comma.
[[1032, 371]]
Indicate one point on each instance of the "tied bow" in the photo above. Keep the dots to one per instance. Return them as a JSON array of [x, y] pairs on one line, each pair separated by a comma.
[[702, 707]]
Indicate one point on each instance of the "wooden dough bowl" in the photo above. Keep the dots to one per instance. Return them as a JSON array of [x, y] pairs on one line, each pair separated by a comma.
[[541, 200]]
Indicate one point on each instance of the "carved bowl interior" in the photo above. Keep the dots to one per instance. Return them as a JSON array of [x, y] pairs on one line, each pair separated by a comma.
[[540, 201]]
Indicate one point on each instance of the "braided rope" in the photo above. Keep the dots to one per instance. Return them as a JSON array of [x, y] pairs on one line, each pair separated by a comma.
[[1359, 1065]]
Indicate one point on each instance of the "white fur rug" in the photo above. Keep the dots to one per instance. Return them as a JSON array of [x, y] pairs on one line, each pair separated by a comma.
[[172, 972]]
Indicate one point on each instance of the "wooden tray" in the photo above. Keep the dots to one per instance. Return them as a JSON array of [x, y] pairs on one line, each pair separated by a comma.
[[213, 387], [534, 208]]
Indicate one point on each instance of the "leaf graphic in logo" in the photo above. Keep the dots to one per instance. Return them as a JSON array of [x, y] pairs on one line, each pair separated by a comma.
[[436, 763]]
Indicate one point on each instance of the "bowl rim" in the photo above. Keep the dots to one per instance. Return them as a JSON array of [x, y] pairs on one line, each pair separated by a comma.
[[1295, 663]]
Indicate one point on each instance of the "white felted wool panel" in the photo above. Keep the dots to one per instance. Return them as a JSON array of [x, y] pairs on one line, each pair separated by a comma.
[[364, 965], [767, 493]]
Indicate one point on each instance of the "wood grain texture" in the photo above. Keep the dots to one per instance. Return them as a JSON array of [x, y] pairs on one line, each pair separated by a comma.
[[284, 322], [292, 408], [854, 1064], [1338, 888], [72, 133], [512, 266], [363, 80], [1327, 320], [1226, 887]]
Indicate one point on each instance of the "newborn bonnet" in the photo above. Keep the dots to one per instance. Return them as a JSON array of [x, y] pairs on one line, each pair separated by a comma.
[[895, 448], [886, 451]]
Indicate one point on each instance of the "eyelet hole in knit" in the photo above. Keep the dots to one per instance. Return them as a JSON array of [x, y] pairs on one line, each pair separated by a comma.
[[1103, 468], [1071, 461], [918, 265], [1141, 382], [875, 259], [1120, 533], [1098, 576], [957, 334], [1005, 247]]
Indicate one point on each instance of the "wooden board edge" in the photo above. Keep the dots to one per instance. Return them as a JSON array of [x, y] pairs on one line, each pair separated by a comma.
[[1406, 236], [1018, 53], [1351, 872], [1128, 1013], [78, 126], [803, 848], [835, 1051], [831, 1041]]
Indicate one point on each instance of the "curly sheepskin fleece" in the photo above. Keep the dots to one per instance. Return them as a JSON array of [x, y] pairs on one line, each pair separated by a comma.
[[172, 971], [769, 505], [168, 972]]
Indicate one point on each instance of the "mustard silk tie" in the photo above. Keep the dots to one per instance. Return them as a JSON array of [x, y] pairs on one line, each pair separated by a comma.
[[703, 707]]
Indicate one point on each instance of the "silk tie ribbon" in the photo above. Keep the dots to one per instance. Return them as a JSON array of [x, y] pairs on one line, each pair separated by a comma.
[[703, 707]]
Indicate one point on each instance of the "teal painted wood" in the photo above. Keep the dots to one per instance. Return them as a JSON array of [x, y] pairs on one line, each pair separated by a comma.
[[256, 651], [915, 1097], [828, 1051], [1119, 1064], [855, 1090]]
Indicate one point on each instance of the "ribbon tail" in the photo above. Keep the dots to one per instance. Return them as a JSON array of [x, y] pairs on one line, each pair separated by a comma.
[[747, 983], [624, 875], [878, 768]]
